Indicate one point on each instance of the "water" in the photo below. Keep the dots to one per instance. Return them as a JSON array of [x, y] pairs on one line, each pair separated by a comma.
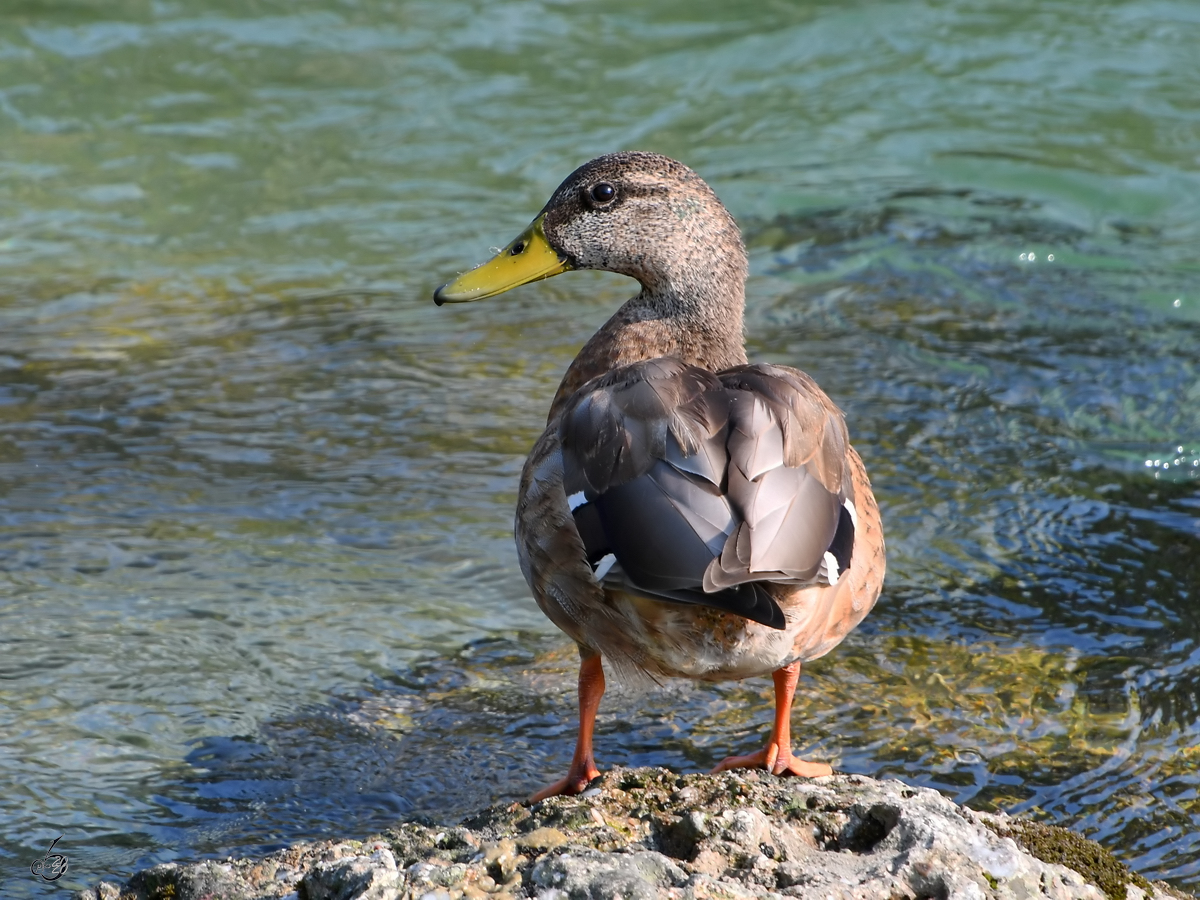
[[256, 491]]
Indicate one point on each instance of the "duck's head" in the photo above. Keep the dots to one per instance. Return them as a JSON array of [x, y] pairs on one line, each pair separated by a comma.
[[637, 214]]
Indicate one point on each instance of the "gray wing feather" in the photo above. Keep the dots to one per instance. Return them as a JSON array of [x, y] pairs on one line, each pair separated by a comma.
[[617, 425], [814, 432], [756, 439], [664, 528], [708, 458], [702, 483]]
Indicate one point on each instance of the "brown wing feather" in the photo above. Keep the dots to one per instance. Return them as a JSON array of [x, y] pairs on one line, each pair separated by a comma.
[[549, 547]]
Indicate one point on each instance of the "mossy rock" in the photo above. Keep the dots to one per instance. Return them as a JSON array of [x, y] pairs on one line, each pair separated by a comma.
[[1058, 846]]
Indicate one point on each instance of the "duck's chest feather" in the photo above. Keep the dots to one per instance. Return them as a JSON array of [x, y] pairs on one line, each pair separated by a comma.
[[689, 524]]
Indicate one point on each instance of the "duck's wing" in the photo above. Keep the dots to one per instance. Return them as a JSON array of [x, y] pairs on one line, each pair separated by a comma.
[[703, 488]]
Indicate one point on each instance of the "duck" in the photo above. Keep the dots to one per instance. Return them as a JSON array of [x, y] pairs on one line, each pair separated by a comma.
[[686, 513]]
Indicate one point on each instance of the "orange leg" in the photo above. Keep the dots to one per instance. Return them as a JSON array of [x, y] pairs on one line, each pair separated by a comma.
[[777, 757], [583, 764]]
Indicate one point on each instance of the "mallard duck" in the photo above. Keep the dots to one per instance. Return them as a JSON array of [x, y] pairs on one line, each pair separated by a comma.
[[685, 513]]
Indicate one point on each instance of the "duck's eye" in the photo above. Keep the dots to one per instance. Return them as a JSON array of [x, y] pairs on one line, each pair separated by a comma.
[[517, 249], [603, 192]]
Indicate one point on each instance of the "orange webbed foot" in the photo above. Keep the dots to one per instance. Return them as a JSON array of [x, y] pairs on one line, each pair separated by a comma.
[[583, 765], [576, 782], [776, 761]]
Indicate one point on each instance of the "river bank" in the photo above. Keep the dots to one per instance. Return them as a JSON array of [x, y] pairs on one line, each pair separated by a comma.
[[650, 833]]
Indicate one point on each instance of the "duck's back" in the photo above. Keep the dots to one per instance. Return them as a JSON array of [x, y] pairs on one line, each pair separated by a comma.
[[691, 523]]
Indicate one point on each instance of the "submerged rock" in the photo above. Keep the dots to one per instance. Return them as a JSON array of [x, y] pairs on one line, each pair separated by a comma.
[[639, 834]]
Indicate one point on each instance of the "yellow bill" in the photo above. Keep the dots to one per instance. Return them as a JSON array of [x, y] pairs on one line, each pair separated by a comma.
[[528, 258]]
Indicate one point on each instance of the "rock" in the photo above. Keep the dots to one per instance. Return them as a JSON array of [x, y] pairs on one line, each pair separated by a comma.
[[373, 877], [502, 861], [641, 875], [649, 833], [204, 879], [105, 890], [542, 839]]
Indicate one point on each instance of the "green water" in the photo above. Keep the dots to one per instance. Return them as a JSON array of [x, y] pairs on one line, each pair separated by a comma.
[[256, 491]]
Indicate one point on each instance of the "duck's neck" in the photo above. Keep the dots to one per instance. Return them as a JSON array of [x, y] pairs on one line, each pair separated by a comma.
[[695, 319]]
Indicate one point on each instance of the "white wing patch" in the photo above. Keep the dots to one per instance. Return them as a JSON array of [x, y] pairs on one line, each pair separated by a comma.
[[849, 504], [606, 563], [829, 567]]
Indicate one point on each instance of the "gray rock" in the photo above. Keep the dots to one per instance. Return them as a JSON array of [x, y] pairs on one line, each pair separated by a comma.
[[373, 877], [182, 882], [650, 833], [592, 875], [105, 890]]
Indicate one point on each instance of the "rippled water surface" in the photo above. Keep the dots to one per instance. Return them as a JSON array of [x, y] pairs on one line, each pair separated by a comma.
[[256, 491]]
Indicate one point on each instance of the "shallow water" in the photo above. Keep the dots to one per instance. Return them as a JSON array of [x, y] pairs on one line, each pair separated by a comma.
[[256, 491]]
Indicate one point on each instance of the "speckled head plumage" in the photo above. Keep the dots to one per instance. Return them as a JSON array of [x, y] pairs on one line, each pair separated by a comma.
[[661, 224], [634, 213]]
